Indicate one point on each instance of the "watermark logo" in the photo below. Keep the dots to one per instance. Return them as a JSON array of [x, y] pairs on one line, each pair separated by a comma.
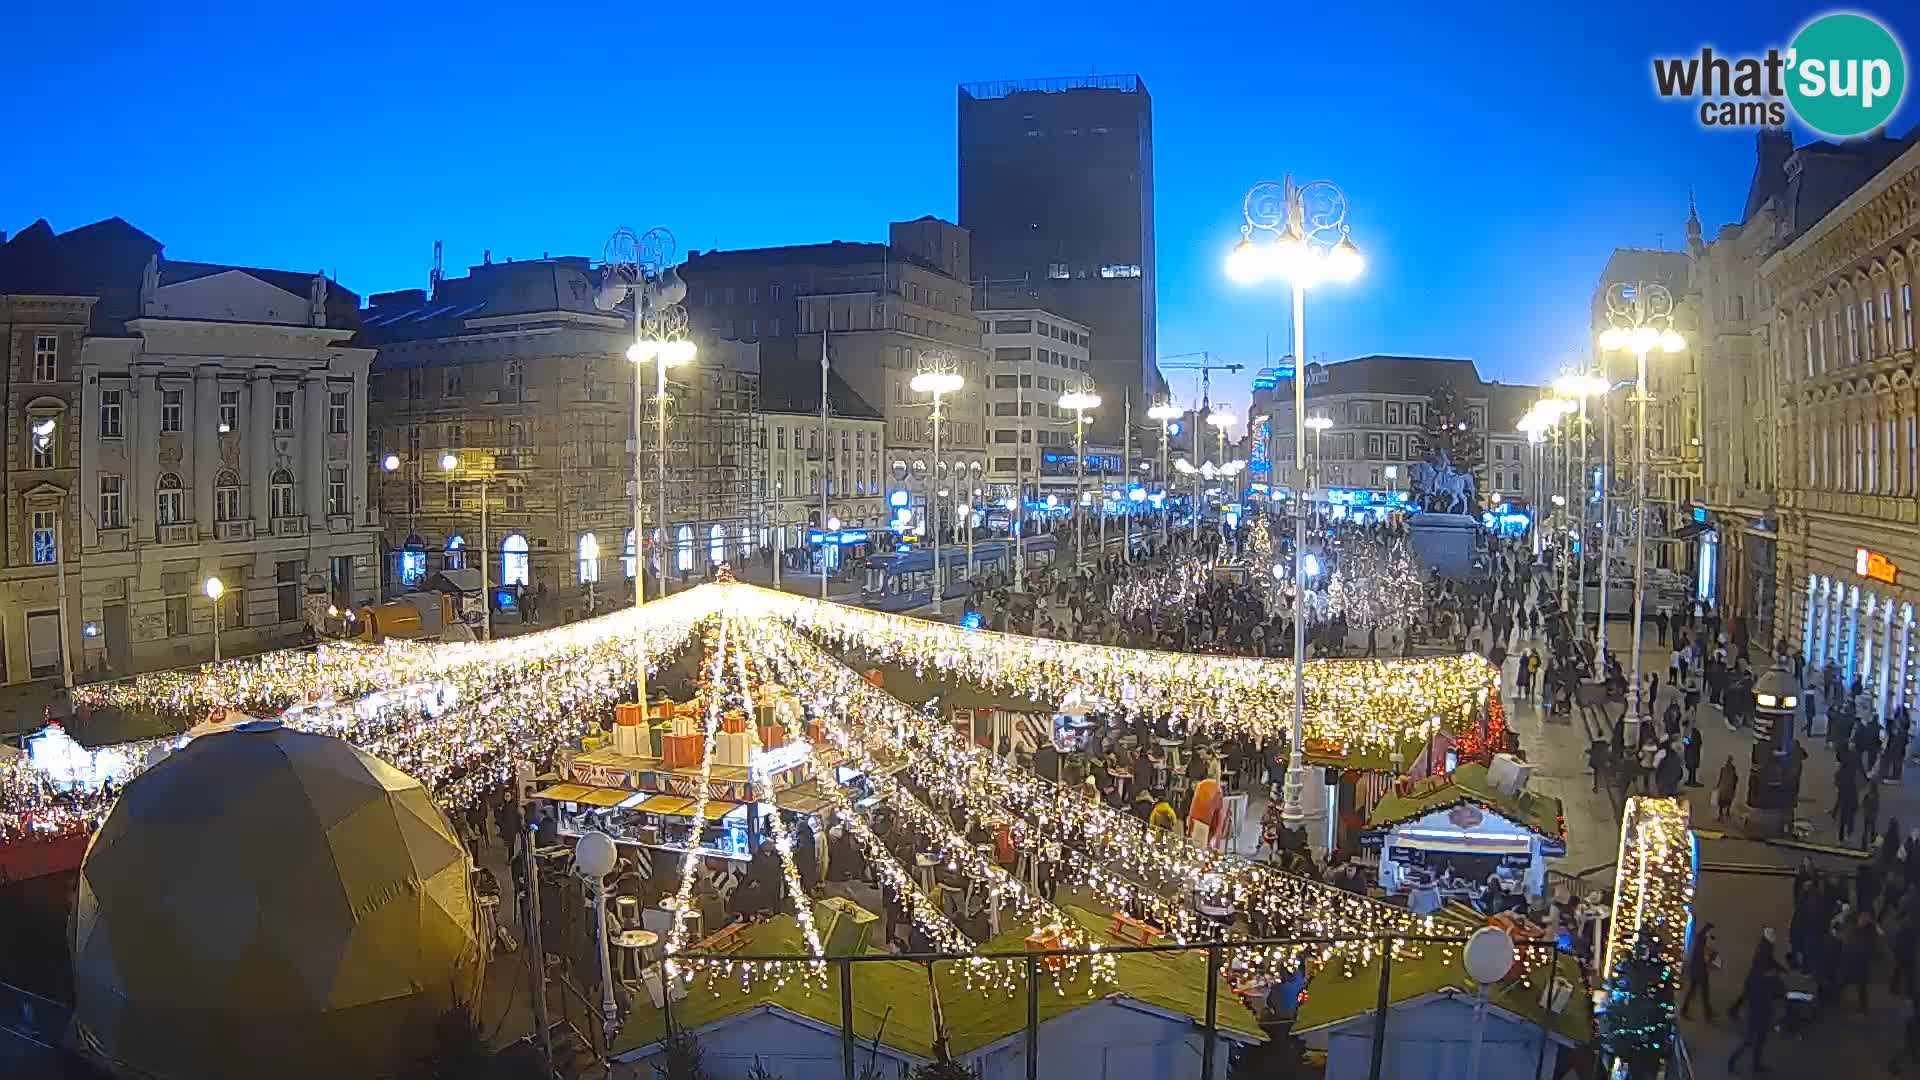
[[1843, 75]]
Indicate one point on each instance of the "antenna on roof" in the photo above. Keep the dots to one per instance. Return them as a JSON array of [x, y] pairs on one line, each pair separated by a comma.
[[433, 279]]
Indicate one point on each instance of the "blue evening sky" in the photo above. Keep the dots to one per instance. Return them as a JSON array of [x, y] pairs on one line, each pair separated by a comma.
[[1493, 154]]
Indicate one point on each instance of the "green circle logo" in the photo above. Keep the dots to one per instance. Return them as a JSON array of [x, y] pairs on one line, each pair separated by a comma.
[[1846, 74]]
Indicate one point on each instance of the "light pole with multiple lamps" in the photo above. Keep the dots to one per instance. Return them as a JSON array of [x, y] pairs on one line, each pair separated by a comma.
[[1318, 425], [1578, 388], [448, 463], [641, 268], [1309, 246], [1166, 412], [1641, 319], [1080, 401], [938, 383]]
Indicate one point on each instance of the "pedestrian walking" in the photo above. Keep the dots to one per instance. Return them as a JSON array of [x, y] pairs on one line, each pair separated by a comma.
[[1869, 816], [1702, 958], [1691, 753], [1723, 789], [1845, 808], [1910, 1046], [1762, 991]]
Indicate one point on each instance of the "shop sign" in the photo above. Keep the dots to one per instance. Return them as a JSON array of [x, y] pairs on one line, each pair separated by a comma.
[[599, 775], [1874, 566], [1553, 849]]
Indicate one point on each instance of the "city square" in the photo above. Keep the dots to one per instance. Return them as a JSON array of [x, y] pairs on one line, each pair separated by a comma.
[[1047, 607]]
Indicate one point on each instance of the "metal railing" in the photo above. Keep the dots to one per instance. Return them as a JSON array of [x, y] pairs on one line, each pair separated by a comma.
[[1213, 1062]]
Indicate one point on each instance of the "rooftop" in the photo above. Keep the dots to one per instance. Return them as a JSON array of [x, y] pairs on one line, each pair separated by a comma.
[[982, 91], [1468, 784]]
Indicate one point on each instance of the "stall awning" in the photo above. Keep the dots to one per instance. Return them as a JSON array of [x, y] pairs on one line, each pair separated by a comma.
[[802, 799], [564, 792], [1489, 845], [679, 806], [605, 796]]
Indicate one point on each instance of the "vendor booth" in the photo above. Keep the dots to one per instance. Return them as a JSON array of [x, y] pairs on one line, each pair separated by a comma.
[[1475, 835]]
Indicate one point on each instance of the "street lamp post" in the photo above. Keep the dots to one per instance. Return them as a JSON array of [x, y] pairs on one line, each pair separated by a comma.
[[449, 462], [1641, 318], [215, 589], [939, 384], [1318, 425], [1310, 245], [1578, 388], [1220, 420], [1079, 401], [1166, 412], [1606, 513]]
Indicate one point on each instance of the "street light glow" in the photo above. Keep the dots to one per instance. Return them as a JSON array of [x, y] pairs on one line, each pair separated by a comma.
[[1221, 420], [390, 463], [1579, 387], [936, 383], [1165, 411], [215, 588], [1319, 423], [1080, 400], [449, 462]]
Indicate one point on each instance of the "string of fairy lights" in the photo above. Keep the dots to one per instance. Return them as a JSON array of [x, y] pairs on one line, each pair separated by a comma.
[[1375, 583], [1653, 884], [683, 896], [1372, 704]]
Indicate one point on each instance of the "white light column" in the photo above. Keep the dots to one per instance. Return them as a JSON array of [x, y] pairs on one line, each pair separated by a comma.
[[1080, 401], [1309, 246], [939, 384]]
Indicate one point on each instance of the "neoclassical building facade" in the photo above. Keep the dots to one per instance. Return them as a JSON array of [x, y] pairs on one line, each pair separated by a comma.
[[1849, 436]]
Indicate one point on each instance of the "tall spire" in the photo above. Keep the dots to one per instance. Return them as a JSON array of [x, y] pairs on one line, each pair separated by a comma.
[[1694, 243]]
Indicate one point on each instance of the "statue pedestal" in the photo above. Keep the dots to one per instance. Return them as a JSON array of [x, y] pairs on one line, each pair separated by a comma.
[[1444, 543]]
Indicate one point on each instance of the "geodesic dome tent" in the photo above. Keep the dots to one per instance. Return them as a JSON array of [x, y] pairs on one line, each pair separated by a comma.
[[267, 902]]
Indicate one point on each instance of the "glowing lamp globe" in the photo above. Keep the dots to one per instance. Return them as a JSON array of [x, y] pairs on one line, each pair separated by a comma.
[[1344, 263], [676, 353], [1245, 264], [595, 855], [1488, 956]]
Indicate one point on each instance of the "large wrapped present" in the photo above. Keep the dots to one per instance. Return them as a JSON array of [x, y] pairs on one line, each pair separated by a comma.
[[817, 732], [656, 736], [660, 710], [687, 725], [733, 748], [772, 737], [1043, 939], [734, 722], [629, 739], [628, 714], [682, 751], [687, 708]]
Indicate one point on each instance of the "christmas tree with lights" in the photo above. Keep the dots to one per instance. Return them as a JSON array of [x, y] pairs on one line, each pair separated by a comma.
[[1636, 1020], [1259, 544]]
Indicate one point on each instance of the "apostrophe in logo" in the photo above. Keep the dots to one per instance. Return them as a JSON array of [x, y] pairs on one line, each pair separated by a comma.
[[1847, 74]]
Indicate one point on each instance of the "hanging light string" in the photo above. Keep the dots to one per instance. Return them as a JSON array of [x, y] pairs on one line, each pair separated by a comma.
[[1653, 885], [716, 638]]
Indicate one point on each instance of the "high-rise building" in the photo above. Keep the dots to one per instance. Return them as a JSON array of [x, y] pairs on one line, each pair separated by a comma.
[[1056, 185]]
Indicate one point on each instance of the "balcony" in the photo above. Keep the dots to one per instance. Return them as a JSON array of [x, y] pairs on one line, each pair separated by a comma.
[[290, 526], [339, 524], [233, 530], [174, 535]]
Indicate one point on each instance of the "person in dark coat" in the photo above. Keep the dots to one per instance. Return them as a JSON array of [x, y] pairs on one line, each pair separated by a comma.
[[1905, 943], [1763, 961], [1763, 990], [1858, 950], [1723, 789], [1701, 959], [806, 861], [1691, 754]]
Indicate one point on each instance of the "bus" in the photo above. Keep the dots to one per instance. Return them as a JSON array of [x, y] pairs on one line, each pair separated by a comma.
[[902, 581]]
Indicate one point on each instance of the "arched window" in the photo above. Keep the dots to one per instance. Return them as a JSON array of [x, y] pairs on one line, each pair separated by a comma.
[[589, 558], [628, 560], [456, 552], [226, 496], [170, 502], [684, 558], [281, 489], [717, 545], [513, 560]]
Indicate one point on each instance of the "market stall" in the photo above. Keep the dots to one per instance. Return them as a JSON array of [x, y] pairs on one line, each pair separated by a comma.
[[1475, 835]]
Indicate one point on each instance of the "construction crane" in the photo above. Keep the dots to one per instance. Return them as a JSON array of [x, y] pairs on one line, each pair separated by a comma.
[[1206, 364]]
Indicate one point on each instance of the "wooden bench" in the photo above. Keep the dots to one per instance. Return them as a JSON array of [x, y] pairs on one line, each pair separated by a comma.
[[727, 939], [1127, 928]]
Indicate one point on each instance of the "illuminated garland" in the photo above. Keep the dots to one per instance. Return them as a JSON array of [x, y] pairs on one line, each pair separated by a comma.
[[690, 862], [1358, 704]]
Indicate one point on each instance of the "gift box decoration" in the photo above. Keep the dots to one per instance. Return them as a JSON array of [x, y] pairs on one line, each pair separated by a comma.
[[1043, 939], [817, 732], [660, 710], [629, 739], [685, 725], [687, 708], [681, 751], [733, 723], [628, 714], [733, 748], [656, 733], [772, 737]]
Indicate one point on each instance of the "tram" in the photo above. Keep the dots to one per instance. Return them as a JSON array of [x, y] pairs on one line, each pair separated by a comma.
[[903, 580]]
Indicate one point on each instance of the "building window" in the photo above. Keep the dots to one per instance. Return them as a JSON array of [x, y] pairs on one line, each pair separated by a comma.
[[683, 558], [281, 494], [753, 294], [178, 624], [44, 543], [589, 558], [46, 358], [337, 411], [226, 496], [110, 414], [516, 497], [171, 408], [337, 490], [513, 560], [516, 376], [627, 561], [170, 501], [286, 589], [43, 441], [773, 293], [113, 514], [1853, 337], [452, 387], [283, 410], [229, 411], [1906, 317]]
